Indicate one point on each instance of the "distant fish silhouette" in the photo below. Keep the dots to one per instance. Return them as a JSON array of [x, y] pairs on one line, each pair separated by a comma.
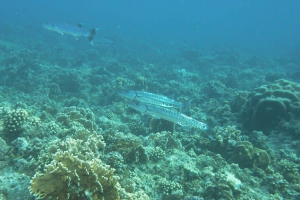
[[74, 30]]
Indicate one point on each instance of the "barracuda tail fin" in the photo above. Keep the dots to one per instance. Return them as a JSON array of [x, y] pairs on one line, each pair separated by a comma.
[[91, 35]]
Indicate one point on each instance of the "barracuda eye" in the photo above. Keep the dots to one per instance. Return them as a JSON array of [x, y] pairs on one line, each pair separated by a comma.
[[137, 103]]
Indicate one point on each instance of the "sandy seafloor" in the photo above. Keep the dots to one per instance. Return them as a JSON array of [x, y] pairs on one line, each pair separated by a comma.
[[66, 134]]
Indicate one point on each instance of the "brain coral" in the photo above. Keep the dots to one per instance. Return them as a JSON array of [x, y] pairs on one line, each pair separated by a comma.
[[270, 104]]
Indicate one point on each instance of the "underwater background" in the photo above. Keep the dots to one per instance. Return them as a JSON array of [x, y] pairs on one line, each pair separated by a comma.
[[66, 133]]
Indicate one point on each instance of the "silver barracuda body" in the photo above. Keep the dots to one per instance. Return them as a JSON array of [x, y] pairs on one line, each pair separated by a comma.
[[74, 30], [150, 98], [167, 114]]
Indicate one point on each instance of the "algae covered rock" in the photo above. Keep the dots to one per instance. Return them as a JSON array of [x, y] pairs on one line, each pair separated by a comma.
[[270, 104]]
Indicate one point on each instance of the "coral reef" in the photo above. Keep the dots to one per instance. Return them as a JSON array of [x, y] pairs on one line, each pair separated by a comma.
[[160, 125], [129, 146], [227, 136], [63, 126], [270, 104], [140, 83], [157, 154], [75, 171], [14, 121], [14, 186], [248, 156], [71, 176], [73, 116], [289, 170], [3, 148], [137, 128], [170, 189]]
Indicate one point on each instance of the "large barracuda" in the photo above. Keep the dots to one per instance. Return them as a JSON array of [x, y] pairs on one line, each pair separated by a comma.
[[74, 30], [167, 114], [150, 98]]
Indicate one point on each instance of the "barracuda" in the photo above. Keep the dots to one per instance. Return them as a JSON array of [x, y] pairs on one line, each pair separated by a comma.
[[74, 30], [150, 98], [169, 115]]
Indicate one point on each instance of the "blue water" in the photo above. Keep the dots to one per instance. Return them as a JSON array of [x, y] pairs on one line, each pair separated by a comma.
[[268, 26]]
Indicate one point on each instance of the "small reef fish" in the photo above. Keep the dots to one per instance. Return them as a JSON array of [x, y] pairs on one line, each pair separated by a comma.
[[167, 114], [74, 30], [150, 98]]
